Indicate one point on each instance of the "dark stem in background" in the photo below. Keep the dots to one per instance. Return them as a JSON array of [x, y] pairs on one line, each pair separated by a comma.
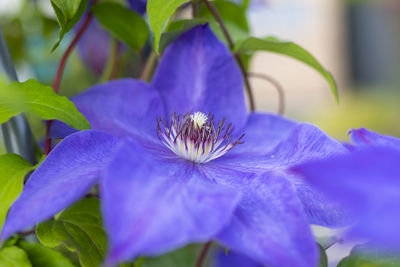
[[195, 8], [203, 254], [277, 85], [17, 135], [231, 45], [60, 70]]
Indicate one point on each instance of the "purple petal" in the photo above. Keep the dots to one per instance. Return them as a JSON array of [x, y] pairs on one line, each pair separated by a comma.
[[153, 205], [300, 143], [263, 132], [269, 225], [364, 137], [366, 181], [234, 259], [138, 5], [121, 107], [198, 73], [59, 130], [67, 173], [304, 143], [319, 209]]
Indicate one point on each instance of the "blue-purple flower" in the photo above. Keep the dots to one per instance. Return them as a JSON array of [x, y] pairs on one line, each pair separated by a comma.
[[95, 44], [367, 182], [174, 167], [233, 259]]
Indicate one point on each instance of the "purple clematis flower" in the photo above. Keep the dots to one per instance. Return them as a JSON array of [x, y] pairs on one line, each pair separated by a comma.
[[174, 167], [367, 182], [95, 44]]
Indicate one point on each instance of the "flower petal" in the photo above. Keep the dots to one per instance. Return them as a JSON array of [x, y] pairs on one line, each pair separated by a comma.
[[305, 142], [153, 205], [366, 181], [302, 142], [364, 137], [263, 132], [59, 129], [121, 107], [198, 73], [319, 209], [67, 173], [269, 225], [138, 5]]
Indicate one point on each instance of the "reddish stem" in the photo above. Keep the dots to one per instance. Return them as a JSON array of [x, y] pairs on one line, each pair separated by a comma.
[[60, 70], [203, 254], [32, 231]]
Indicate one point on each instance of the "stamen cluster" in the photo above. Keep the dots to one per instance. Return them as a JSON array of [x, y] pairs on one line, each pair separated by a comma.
[[195, 137]]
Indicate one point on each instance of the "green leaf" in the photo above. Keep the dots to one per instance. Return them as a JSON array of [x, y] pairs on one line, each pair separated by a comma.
[[79, 228], [10, 242], [367, 256], [13, 169], [234, 17], [40, 256], [123, 24], [159, 12], [40, 100], [323, 258], [139, 262], [290, 49], [68, 14], [175, 29], [182, 257], [13, 257]]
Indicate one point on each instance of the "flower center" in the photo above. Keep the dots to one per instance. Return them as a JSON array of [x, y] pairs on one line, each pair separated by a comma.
[[195, 137]]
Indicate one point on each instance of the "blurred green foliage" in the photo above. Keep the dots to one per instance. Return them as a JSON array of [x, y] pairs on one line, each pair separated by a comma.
[[366, 256], [79, 228]]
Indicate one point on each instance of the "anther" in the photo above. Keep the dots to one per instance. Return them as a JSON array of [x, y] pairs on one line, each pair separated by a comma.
[[195, 138]]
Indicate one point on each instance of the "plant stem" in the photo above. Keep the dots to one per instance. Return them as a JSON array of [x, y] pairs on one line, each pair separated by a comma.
[[110, 71], [115, 59], [27, 232], [203, 254], [277, 85], [148, 67], [195, 8], [61, 67], [231, 45]]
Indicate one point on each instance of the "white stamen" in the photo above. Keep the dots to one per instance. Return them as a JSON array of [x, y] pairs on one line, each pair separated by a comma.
[[199, 119], [195, 138]]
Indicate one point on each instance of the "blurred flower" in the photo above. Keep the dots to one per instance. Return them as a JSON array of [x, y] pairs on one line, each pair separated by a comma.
[[95, 44], [367, 182], [138, 5], [173, 169]]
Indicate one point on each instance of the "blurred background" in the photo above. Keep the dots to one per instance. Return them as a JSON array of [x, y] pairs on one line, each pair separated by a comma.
[[357, 41]]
